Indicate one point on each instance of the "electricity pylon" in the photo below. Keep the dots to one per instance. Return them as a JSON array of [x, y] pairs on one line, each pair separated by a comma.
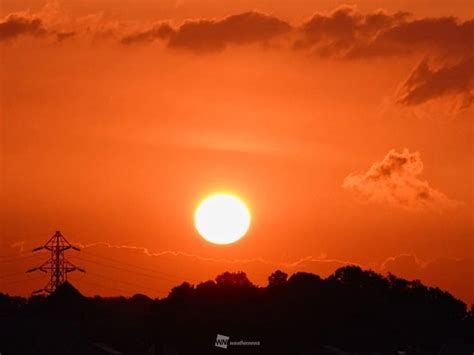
[[57, 265]]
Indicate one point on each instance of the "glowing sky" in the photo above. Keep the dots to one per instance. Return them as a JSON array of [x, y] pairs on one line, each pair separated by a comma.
[[348, 130]]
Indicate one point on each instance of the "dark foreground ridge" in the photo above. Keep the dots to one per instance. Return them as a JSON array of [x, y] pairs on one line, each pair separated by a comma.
[[352, 311]]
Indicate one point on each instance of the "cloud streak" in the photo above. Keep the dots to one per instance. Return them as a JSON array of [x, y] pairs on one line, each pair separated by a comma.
[[147, 252], [395, 181]]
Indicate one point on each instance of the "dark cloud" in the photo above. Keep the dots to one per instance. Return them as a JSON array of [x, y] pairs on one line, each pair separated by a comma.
[[213, 35], [159, 31], [249, 27], [425, 83], [338, 33], [446, 43], [62, 36], [15, 25], [443, 36], [395, 180], [347, 34]]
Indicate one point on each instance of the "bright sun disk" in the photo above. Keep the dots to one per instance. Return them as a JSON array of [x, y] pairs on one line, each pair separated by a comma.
[[222, 218]]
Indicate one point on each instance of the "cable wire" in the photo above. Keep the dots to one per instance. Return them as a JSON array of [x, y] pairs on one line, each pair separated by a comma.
[[174, 279], [101, 285], [124, 282], [21, 257], [22, 280], [131, 265]]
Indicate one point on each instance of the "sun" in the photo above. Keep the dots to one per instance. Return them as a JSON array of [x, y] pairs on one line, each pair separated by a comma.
[[222, 218]]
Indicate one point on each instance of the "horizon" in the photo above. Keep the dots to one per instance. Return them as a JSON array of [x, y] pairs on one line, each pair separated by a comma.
[[147, 278], [234, 279]]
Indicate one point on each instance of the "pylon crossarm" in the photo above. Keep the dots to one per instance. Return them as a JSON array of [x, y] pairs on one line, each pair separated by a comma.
[[38, 248], [74, 268], [69, 267], [47, 265]]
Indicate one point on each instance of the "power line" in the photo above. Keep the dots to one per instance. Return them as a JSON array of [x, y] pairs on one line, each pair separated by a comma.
[[20, 257], [22, 280], [102, 286], [10, 275], [136, 266], [123, 282], [11, 255], [171, 279]]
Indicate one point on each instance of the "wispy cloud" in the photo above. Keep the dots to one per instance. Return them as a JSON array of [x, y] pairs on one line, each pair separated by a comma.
[[147, 252]]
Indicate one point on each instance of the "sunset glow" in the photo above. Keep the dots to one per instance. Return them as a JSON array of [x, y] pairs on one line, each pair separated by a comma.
[[179, 176]]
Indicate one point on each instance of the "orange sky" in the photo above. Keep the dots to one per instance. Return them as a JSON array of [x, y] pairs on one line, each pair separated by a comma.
[[347, 130]]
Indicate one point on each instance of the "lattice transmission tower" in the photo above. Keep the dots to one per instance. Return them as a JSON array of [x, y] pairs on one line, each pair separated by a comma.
[[57, 264]]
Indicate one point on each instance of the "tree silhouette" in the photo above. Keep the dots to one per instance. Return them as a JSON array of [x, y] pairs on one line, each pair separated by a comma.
[[233, 279], [352, 310], [277, 279]]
